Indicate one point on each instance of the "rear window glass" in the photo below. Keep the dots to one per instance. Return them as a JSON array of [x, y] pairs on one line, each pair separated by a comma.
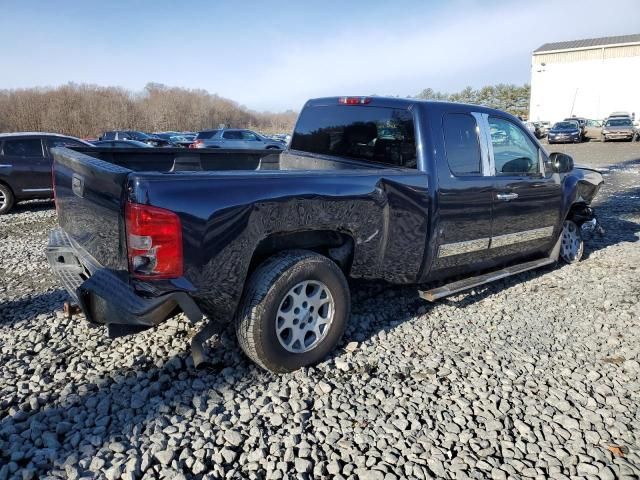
[[379, 134], [461, 144], [206, 135], [23, 147]]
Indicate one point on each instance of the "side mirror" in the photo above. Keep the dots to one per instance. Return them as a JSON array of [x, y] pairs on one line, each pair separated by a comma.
[[561, 162]]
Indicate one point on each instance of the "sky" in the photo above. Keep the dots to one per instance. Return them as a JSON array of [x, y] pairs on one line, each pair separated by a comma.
[[275, 55]]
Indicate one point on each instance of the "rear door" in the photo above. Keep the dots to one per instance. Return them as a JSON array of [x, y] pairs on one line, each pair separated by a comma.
[[232, 139], [526, 196], [464, 194], [30, 168]]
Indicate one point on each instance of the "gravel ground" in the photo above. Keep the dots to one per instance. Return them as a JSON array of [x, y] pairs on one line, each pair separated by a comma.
[[532, 377]]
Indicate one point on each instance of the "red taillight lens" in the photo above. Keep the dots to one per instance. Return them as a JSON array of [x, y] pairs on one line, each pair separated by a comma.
[[354, 100], [195, 144], [154, 242]]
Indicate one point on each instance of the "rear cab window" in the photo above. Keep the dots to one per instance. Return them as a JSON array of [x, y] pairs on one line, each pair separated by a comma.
[[378, 134], [462, 144]]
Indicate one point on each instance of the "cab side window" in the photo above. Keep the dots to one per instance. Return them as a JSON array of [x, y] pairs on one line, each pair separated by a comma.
[[513, 151], [462, 146]]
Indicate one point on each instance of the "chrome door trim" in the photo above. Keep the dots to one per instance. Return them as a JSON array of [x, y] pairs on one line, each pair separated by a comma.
[[469, 246], [485, 130], [458, 248], [482, 122], [37, 189], [521, 237]]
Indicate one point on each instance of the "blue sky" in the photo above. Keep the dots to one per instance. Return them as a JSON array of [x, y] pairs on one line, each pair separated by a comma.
[[274, 55]]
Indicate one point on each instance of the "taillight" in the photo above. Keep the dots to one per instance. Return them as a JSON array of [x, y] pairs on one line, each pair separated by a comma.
[[354, 100], [196, 144], [154, 242]]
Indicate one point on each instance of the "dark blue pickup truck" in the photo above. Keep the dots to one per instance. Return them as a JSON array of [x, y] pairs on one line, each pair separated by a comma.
[[444, 196]]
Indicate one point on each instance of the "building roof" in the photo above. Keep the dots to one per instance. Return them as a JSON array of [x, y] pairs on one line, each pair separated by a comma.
[[588, 43]]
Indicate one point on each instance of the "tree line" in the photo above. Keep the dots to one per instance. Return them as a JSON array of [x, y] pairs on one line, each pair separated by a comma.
[[88, 110], [508, 97]]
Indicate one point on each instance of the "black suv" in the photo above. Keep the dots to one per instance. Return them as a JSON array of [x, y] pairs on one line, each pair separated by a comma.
[[25, 165]]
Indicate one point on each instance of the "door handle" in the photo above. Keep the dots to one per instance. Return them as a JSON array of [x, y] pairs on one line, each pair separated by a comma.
[[506, 196]]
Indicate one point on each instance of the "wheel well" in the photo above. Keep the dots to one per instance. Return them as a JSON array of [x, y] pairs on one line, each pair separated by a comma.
[[580, 213], [335, 245], [2, 182]]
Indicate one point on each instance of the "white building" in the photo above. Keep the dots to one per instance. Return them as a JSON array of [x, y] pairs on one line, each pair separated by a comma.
[[587, 78]]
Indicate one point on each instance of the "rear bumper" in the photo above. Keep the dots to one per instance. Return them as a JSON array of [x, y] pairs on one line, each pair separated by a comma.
[[105, 296]]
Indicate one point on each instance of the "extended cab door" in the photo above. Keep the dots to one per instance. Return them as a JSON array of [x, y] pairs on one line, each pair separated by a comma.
[[526, 197], [465, 193]]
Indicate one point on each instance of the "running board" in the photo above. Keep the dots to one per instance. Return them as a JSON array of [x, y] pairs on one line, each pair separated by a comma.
[[455, 287]]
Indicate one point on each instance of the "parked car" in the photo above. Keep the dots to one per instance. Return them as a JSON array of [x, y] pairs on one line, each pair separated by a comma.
[[618, 128], [184, 140], [121, 144], [593, 130], [151, 140], [544, 127], [582, 123], [434, 199], [235, 139], [531, 127], [25, 165], [564, 132]]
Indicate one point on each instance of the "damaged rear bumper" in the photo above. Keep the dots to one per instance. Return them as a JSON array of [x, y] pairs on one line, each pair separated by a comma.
[[105, 296]]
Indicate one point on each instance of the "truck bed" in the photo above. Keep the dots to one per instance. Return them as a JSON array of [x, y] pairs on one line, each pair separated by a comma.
[[234, 206]]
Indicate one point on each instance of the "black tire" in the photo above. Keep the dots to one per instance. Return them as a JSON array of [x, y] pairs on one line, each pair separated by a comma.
[[604, 139], [264, 293], [6, 199]]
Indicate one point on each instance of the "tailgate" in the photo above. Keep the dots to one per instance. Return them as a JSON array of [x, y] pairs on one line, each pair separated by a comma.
[[89, 200]]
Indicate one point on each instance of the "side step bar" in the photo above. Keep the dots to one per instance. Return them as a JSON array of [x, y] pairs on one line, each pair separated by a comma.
[[455, 287]]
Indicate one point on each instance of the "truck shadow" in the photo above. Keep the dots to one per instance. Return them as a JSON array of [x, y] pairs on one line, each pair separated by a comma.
[[32, 206], [144, 398], [29, 307]]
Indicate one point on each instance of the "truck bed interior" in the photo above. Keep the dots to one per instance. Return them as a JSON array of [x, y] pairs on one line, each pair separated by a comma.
[[171, 160]]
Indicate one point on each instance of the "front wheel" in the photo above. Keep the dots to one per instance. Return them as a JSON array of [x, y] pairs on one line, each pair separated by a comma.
[[6, 199], [572, 244], [294, 311]]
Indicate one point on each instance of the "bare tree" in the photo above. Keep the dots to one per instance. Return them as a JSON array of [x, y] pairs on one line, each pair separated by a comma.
[[88, 110]]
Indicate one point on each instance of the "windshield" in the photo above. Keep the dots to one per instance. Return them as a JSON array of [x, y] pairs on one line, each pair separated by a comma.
[[565, 125], [619, 122]]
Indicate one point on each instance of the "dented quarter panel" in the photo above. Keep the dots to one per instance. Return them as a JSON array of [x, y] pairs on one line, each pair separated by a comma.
[[382, 210]]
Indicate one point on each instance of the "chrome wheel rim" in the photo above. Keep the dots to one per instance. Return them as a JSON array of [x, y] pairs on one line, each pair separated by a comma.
[[3, 199], [572, 244], [305, 316]]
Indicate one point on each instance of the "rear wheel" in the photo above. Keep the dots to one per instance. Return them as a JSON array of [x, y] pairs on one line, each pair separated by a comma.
[[6, 199], [572, 245], [294, 311]]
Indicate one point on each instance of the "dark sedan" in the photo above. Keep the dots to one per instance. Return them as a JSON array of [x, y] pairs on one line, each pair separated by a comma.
[[565, 132]]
